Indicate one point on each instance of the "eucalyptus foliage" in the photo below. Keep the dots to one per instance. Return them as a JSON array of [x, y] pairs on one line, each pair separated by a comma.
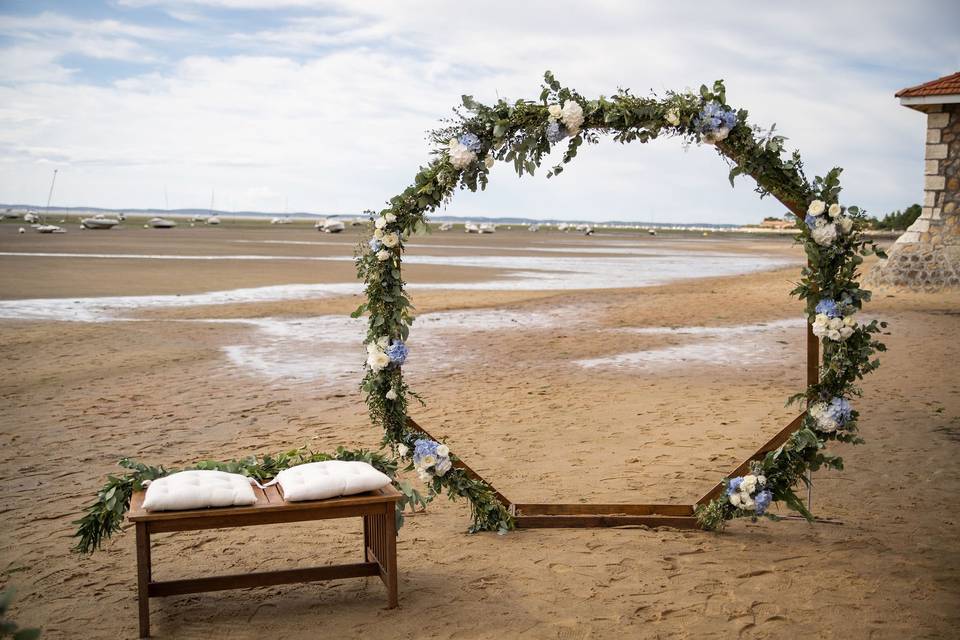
[[104, 516], [522, 133]]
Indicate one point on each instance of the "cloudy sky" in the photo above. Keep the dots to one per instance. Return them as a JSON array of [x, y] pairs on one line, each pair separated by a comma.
[[322, 106]]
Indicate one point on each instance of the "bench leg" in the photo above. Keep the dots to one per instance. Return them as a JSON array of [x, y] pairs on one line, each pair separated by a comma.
[[143, 578], [367, 542], [390, 553]]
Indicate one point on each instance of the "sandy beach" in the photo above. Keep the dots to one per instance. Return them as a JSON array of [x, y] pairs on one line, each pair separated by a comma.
[[613, 368]]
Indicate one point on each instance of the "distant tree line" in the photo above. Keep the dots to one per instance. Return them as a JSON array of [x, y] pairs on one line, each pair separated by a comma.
[[897, 220]]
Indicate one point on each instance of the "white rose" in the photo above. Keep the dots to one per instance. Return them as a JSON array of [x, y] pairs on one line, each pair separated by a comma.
[[378, 234], [383, 255], [555, 110], [834, 335], [717, 135], [572, 116], [402, 450], [762, 481], [849, 321], [380, 222], [824, 234], [748, 484], [846, 332], [428, 461], [443, 466], [390, 240], [377, 360], [845, 223], [673, 117], [834, 210], [835, 323], [390, 395], [390, 217], [488, 161], [747, 503], [817, 207], [735, 499], [443, 451]]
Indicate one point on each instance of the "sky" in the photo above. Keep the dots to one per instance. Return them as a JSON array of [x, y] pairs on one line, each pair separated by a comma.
[[323, 106]]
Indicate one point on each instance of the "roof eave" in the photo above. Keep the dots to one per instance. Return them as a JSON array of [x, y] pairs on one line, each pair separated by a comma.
[[922, 101]]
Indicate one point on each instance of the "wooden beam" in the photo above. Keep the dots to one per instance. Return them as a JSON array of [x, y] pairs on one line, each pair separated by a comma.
[[603, 509], [460, 464], [586, 521], [262, 579], [770, 445]]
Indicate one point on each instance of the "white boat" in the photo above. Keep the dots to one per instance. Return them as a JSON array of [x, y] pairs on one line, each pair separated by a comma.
[[161, 223], [652, 232], [563, 226], [280, 220], [487, 228], [469, 227], [99, 222], [214, 220], [31, 217], [330, 226], [446, 226], [10, 214], [534, 228], [49, 228], [198, 219]]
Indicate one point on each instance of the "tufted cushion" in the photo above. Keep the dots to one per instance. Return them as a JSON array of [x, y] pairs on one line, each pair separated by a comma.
[[330, 479], [198, 489]]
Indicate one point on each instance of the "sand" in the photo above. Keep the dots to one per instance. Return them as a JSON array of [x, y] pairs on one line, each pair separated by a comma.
[[549, 405]]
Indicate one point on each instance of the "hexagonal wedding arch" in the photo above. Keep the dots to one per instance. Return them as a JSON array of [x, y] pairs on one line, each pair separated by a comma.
[[521, 133]]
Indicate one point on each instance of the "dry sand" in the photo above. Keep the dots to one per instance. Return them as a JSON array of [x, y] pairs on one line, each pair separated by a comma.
[[514, 405]]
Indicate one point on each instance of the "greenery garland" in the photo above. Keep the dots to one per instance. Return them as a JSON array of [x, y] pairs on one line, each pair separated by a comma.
[[522, 133], [104, 516]]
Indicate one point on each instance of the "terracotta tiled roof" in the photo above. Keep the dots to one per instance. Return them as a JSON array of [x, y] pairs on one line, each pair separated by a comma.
[[945, 86]]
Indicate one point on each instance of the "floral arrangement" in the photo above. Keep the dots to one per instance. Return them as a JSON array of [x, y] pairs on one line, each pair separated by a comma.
[[522, 133]]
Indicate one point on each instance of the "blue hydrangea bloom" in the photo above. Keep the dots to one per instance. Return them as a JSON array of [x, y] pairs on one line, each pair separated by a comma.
[[829, 307], [763, 500], [423, 448], [840, 410], [555, 132], [470, 141], [713, 116], [734, 485], [810, 221], [397, 352], [375, 245]]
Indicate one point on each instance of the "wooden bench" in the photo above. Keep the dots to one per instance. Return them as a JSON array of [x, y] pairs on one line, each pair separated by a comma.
[[377, 508]]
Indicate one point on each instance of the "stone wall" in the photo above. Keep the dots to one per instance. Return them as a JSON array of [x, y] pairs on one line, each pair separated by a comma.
[[927, 256]]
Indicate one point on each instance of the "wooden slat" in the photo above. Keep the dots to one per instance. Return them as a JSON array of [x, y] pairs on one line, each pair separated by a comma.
[[460, 464], [603, 509], [584, 521], [262, 579], [770, 445]]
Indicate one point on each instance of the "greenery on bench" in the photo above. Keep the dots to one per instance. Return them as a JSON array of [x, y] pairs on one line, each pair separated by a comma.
[[104, 516]]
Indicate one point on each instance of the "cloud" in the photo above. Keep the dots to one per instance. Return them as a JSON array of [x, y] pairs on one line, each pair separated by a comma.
[[327, 102]]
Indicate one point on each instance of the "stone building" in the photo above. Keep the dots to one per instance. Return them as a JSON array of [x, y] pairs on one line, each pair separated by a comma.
[[927, 255]]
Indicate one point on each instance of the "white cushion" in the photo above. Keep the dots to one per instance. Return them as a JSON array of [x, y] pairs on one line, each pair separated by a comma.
[[329, 479], [198, 489]]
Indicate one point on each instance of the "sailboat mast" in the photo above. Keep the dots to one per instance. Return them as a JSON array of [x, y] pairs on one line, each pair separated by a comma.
[[50, 196]]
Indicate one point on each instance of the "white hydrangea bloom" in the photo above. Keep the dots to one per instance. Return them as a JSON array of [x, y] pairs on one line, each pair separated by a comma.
[[715, 136], [377, 360], [572, 116], [461, 156], [824, 234]]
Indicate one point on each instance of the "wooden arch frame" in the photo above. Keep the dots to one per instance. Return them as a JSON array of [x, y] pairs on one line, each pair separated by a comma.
[[681, 516]]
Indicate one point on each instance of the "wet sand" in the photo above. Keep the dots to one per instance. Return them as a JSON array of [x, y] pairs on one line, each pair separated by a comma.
[[551, 394]]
